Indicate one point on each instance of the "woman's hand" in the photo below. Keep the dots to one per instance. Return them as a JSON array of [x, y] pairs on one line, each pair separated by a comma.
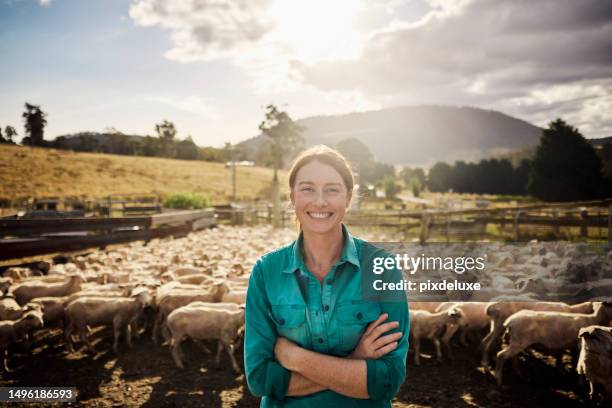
[[286, 353], [373, 344]]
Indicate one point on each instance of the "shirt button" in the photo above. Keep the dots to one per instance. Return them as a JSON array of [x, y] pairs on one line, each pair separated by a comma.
[[320, 340], [359, 316], [326, 308], [329, 281], [281, 321]]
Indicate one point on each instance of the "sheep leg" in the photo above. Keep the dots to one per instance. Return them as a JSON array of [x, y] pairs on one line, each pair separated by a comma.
[[230, 351], [134, 330], [5, 359], [176, 354], [85, 338], [438, 350], [446, 342], [128, 335], [68, 337], [492, 337], [506, 353], [156, 327], [463, 338], [218, 357], [202, 347], [417, 350], [116, 333]]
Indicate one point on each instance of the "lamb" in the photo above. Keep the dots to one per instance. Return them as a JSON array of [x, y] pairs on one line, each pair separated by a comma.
[[202, 322], [431, 326], [500, 311], [595, 360], [177, 298], [554, 330], [475, 315], [30, 290], [121, 312], [13, 331]]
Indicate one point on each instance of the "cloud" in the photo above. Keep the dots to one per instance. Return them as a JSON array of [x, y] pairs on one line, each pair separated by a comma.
[[45, 2], [205, 29], [523, 55], [533, 59]]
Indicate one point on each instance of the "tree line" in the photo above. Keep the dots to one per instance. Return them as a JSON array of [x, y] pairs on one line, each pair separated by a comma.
[[565, 167]]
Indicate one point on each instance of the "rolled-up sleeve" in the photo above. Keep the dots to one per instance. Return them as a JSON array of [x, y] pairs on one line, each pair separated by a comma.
[[264, 375], [387, 374]]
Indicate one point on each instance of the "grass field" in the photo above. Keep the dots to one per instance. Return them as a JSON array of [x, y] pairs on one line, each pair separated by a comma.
[[37, 172]]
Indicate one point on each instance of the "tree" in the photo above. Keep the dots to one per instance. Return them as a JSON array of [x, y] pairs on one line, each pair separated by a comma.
[[408, 174], [35, 122], [390, 186], [566, 166], [285, 136], [438, 179], [166, 133], [187, 149], [10, 132]]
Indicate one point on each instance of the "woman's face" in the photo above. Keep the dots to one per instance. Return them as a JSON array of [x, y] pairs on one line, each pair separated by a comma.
[[320, 197]]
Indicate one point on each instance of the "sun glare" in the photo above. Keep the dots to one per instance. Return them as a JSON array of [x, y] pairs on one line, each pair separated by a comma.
[[316, 30]]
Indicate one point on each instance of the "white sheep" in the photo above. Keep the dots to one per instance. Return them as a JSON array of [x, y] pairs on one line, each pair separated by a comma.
[[432, 326], [121, 312], [475, 316], [12, 331], [556, 331], [202, 322], [498, 312], [595, 360], [176, 298], [30, 290]]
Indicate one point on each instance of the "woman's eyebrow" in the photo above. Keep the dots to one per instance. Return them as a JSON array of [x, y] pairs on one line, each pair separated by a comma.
[[326, 184]]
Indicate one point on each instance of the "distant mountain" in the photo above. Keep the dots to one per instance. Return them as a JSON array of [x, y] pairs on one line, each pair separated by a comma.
[[421, 135]]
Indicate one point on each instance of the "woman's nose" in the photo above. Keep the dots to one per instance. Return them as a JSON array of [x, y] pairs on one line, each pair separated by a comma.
[[320, 199]]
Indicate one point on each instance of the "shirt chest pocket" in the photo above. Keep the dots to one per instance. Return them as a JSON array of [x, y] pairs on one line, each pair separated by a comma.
[[290, 321], [353, 318]]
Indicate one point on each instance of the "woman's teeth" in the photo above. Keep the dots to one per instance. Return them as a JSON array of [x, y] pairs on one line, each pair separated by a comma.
[[320, 214]]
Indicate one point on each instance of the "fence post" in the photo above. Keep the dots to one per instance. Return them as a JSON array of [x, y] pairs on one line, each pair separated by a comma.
[[555, 228], [516, 225], [425, 219], [610, 223], [584, 223]]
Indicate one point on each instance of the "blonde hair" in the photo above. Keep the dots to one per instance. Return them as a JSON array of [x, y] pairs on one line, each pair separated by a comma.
[[326, 155]]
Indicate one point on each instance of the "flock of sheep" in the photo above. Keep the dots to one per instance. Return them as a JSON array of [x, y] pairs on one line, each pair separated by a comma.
[[195, 287], [518, 282]]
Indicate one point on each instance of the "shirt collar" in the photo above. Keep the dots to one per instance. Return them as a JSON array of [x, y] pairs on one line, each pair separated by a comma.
[[349, 252]]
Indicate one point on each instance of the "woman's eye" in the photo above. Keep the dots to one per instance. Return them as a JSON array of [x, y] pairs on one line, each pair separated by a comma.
[[333, 190], [307, 189]]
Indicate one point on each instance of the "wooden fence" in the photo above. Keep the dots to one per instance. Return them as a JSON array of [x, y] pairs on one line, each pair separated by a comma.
[[28, 237], [587, 219]]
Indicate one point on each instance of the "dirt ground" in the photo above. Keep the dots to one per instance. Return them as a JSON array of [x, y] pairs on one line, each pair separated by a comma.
[[147, 377]]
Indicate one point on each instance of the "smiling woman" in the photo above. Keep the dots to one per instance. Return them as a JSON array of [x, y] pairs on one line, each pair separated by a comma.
[[311, 337]]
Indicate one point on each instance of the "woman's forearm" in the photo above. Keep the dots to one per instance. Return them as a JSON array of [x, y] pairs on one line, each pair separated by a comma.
[[345, 376], [300, 385]]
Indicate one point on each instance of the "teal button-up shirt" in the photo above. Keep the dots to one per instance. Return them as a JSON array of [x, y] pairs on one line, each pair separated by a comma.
[[285, 299]]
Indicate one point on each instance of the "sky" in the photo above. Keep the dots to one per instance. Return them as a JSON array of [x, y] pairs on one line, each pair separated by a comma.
[[212, 66]]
